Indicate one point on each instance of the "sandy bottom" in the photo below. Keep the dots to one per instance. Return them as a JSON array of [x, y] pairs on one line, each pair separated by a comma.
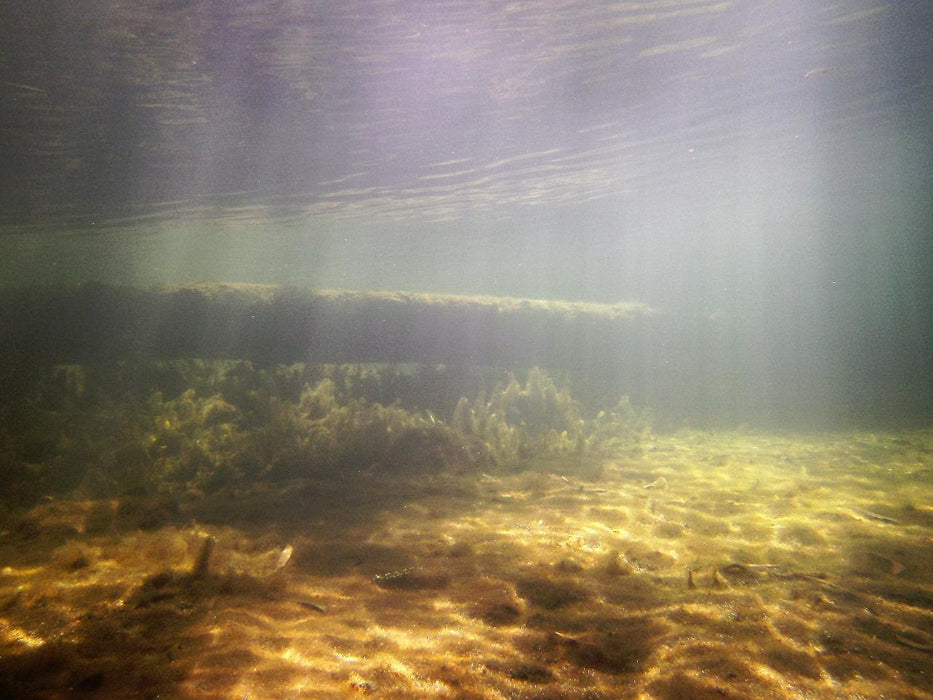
[[705, 566]]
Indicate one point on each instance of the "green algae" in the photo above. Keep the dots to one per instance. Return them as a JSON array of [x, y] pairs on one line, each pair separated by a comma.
[[199, 426]]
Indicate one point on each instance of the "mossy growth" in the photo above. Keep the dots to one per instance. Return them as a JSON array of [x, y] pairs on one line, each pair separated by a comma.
[[194, 427], [519, 422]]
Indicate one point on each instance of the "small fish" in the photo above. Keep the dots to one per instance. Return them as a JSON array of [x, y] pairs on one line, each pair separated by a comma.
[[202, 564], [867, 514], [896, 568], [284, 557], [25, 87], [817, 71], [913, 644], [311, 606], [719, 581]]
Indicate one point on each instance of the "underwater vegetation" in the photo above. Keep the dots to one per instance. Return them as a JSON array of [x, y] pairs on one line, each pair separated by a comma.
[[223, 529], [536, 419], [194, 427]]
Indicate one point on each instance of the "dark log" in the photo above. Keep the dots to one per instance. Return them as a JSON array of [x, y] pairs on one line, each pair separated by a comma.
[[269, 324]]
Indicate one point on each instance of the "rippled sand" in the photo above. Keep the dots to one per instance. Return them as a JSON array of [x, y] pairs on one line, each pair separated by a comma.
[[707, 565]]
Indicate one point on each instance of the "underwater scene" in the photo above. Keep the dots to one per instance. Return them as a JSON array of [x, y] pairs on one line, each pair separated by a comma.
[[481, 349], [196, 528]]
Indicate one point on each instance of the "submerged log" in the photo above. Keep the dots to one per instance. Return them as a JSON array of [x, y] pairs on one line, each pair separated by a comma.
[[270, 324]]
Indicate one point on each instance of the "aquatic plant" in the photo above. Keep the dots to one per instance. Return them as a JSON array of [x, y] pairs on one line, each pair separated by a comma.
[[621, 428], [196, 426], [519, 422]]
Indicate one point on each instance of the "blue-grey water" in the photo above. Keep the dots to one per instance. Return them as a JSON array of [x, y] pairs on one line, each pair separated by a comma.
[[758, 172]]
